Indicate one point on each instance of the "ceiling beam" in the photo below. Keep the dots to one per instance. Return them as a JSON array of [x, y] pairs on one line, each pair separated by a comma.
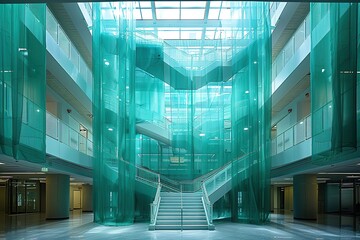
[[190, 23]]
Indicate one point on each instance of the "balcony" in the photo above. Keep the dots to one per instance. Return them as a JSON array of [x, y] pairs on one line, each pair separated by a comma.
[[295, 143]]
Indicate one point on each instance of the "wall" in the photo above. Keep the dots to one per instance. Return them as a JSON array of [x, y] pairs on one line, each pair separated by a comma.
[[58, 106], [321, 197], [272, 198], [332, 197], [2, 197], [300, 108], [42, 197], [289, 200], [347, 199]]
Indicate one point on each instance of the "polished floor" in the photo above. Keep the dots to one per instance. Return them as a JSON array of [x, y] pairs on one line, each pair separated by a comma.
[[80, 226]]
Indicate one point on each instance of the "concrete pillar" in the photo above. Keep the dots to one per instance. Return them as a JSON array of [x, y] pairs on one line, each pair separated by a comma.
[[305, 196], [87, 198], [57, 196]]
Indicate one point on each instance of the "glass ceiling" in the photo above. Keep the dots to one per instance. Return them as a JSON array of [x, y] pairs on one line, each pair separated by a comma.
[[185, 20], [196, 30]]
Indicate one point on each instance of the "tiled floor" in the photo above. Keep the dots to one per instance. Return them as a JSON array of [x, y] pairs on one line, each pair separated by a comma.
[[80, 226]]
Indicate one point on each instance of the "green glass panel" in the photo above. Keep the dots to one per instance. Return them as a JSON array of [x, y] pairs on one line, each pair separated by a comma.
[[23, 81], [114, 113], [333, 80]]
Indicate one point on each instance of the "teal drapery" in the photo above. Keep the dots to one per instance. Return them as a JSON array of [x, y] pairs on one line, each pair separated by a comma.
[[334, 53], [251, 116], [23, 81], [114, 113], [191, 109]]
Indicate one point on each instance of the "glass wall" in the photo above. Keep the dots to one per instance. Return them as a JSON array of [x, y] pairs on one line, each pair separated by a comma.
[[24, 196]]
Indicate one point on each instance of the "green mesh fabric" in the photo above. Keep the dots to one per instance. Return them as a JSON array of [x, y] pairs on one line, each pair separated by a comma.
[[251, 113], [190, 112], [114, 114], [333, 80], [23, 81]]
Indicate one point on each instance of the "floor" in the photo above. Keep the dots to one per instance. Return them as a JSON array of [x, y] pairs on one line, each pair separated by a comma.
[[80, 226]]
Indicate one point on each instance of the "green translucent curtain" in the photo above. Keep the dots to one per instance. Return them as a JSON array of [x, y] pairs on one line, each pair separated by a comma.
[[334, 53], [149, 104], [23, 81], [251, 113], [114, 113], [195, 107]]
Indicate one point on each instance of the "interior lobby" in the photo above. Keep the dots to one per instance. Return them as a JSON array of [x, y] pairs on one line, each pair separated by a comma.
[[179, 119]]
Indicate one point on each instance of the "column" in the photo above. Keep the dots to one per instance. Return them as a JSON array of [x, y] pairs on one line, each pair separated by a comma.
[[305, 197], [87, 198], [57, 196]]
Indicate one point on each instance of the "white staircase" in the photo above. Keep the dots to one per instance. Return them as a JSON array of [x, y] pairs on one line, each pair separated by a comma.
[[181, 211]]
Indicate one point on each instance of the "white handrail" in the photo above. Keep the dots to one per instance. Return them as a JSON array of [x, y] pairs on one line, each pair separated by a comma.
[[207, 205], [154, 207]]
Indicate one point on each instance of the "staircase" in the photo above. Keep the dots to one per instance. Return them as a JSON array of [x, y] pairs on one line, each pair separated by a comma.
[[170, 216]]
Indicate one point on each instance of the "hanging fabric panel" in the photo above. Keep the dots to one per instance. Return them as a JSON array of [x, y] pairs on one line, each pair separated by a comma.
[[251, 113], [114, 113], [333, 81], [23, 81]]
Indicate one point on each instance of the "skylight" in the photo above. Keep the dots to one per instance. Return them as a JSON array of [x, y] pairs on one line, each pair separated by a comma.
[[199, 23]]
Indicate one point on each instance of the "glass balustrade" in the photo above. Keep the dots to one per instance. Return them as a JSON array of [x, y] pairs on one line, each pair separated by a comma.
[[68, 48], [62, 132], [302, 131], [289, 50]]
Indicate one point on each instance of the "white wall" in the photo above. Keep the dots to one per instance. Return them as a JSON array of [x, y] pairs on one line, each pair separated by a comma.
[[58, 106], [300, 108]]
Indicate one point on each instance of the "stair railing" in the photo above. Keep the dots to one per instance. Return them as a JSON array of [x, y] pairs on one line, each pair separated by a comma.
[[181, 207], [146, 175], [207, 205], [154, 206]]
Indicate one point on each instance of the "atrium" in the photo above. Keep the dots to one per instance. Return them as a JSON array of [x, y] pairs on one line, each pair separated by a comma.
[[180, 115]]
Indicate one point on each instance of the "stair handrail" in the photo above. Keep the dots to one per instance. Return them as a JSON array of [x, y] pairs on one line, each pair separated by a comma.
[[155, 179], [207, 205], [154, 206], [181, 208], [225, 170]]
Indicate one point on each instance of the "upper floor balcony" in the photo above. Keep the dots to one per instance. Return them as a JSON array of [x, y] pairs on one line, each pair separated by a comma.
[[295, 143]]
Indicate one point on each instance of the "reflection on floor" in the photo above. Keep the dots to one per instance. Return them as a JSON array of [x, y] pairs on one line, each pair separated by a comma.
[[80, 226]]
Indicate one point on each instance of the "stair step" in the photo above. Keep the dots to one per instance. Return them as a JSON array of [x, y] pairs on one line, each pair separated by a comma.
[[174, 206], [179, 207], [178, 210], [169, 213], [178, 222], [179, 227], [185, 218]]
